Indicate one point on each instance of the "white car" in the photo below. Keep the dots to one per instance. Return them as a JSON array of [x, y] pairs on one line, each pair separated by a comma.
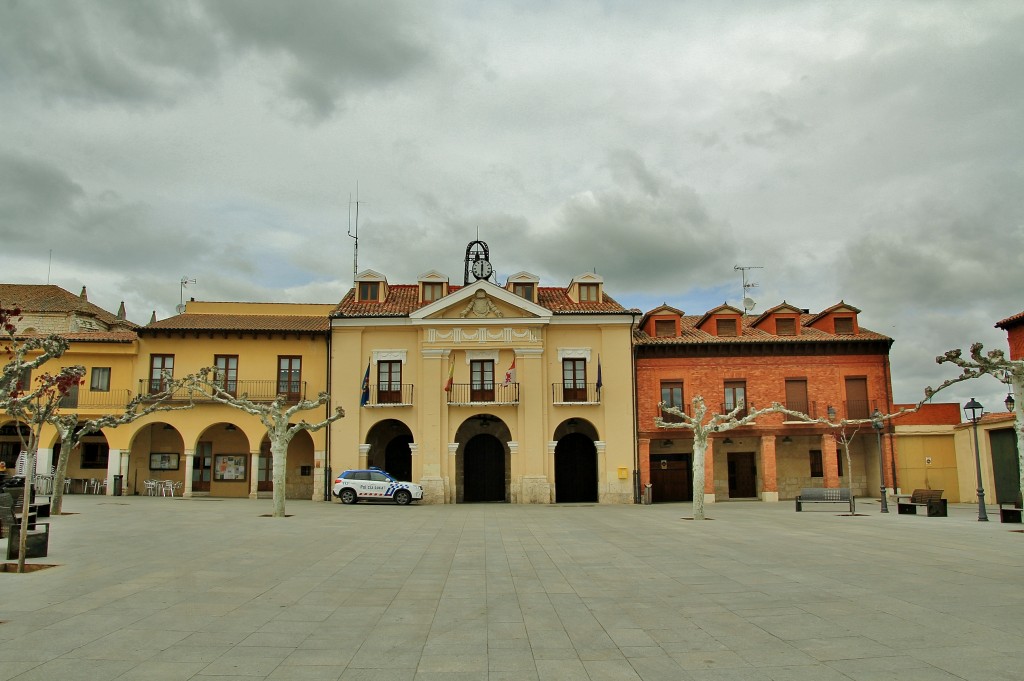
[[375, 485]]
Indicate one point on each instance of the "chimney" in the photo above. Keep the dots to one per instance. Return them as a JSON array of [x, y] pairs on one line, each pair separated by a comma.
[[120, 312], [152, 320], [83, 295]]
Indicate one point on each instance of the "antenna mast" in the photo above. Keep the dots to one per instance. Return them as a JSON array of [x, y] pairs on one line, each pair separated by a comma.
[[185, 281], [748, 302], [354, 235]]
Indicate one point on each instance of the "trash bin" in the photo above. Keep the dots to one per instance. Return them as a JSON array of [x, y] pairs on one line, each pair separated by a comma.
[[117, 485]]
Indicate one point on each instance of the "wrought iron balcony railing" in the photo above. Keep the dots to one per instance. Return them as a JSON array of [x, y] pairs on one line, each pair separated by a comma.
[[255, 390], [79, 398], [575, 393], [390, 395], [484, 393]]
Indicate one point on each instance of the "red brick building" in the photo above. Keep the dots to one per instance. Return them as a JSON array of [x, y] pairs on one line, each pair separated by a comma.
[[1014, 328], [808, 362]]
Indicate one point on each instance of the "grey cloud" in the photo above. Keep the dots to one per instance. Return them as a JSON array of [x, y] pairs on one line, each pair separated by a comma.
[[330, 48], [134, 52]]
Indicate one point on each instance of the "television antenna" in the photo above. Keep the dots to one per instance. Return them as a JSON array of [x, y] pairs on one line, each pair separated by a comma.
[[748, 303], [354, 234], [185, 281]]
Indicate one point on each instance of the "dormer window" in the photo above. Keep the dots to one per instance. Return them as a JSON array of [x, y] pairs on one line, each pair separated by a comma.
[[524, 291], [369, 291], [785, 326], [590, 293], [844, 325], [664, 328], [726, 327], [432, 292]]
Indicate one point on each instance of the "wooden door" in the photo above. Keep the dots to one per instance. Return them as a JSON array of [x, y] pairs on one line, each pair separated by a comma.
[[742, 475]]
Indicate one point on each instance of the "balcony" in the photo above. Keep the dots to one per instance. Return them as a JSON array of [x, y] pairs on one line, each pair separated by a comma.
[[804, 407], [485, 393], [95, 399], [859, 409], [575, 393], [390, 395], [256, 391], [672, 418]]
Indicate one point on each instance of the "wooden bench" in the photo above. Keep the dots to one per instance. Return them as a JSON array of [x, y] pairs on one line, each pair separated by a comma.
[[931, 499], [825, 495], [1010, 511]]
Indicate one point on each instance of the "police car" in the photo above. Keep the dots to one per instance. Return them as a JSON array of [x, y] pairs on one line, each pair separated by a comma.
[[375, 485]]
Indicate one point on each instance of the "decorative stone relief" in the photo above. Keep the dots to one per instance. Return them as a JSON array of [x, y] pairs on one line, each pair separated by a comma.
[[481, 306]]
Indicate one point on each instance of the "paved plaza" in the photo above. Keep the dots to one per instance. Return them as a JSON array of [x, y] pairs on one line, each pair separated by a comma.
[[174, 589]]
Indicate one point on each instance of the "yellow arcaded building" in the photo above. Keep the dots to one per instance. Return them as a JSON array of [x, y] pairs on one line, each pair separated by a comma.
[[485, 391]]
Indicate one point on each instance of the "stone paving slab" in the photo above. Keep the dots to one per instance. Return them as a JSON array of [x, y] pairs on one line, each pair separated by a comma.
[[210, 589]]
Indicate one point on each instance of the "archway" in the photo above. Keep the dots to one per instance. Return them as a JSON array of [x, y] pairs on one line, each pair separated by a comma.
[[575, 469], [389, 443], [484, 469]]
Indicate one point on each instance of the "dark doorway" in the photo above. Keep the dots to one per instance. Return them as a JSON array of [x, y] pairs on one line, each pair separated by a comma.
[[1005, 465], [575, 469], [742, 475], [671, 478], [398, 458], [483, 469]]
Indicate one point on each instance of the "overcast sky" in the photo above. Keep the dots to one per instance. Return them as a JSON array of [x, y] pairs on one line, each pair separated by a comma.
[[857, 151]]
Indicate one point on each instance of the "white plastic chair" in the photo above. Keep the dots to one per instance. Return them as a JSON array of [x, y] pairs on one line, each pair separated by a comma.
[[150, 487], [91, 484], [101, 488]]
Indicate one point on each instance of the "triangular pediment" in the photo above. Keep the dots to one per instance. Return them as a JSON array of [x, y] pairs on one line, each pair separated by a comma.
[[481, 301], [432, 276]]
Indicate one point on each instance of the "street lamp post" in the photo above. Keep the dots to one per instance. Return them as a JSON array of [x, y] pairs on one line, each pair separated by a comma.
[[976, 412], [877, 424]]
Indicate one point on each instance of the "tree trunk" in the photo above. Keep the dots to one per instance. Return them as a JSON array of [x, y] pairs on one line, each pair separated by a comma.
[[279, 451], [700, 448], [57, 494], [26, 500]]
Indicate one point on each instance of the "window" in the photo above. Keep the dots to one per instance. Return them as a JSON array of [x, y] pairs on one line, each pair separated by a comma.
[[161, 368], [735, 396], [796, 395], [289, 377], [672, 396], [24, 379], [523, 291], [726, 327], [785, 326], [857, 406], [94, 454], [839, 461], [574, 380], [817, 466], [664, 328], [369, 291], [265, 469], [389, 382], [844, 325], [431, 292], [99, 379], [590, 293], [481, 372], [226, 368]]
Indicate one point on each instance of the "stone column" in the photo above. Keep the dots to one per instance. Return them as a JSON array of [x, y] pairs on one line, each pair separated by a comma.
[[769, 472], [126, 468], [254, 469], [113, 468], [189, 455], [606, 486], [364, 455], [319, 474], [829, 460], [451, 494]]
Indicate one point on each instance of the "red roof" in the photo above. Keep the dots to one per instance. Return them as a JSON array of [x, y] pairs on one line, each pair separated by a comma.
[[43, 298], [403, 299], [1010, 321], [689, 334], [251, 323]]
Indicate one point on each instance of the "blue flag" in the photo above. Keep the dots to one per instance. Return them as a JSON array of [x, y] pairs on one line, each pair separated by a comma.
[[365, 396]]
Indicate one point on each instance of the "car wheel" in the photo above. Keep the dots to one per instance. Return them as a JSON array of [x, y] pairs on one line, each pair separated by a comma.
[[348, 496], [402, 497]]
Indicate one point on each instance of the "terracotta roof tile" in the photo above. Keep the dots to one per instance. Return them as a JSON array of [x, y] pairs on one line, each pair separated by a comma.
[[690, 335], [1012, 320], [52, 298], [403, 300], [254, 323]]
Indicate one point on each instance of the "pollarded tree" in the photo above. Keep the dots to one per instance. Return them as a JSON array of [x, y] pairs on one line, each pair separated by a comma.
[[703, 425], [72, 431], [34, 408], [994, 363], [276, 416]]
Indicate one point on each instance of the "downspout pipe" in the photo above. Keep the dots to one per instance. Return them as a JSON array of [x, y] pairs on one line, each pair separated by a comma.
[[636, 448]]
